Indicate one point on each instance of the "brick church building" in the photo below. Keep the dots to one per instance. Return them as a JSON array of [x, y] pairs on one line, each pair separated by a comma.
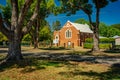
[[72, 35]]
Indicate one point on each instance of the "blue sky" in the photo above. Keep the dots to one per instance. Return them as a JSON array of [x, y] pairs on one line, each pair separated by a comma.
[[109, 15], [3, 2]]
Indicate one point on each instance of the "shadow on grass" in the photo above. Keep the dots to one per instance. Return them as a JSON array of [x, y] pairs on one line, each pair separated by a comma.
[[55, 48], [38, 61], [3, 51], [29, 64], [80, 52], [111, 74], [35, 61], [112, 51]]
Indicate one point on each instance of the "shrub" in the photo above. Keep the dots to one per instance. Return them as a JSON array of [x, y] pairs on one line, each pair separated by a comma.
[[107, 40], [88, 45], [89, 40], [102, 40], [105, 43], [101, 45], [105, 46]]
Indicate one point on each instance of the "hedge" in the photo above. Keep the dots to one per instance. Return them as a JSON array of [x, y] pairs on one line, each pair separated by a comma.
[[88, 45], [101, 45], [107, 40], [89, 40], [102, 40], [105, 43]]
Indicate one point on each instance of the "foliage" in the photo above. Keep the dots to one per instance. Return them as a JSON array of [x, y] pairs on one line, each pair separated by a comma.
[[46, 7], [115, 29], [3, 37], [6, 10], [45, 33], [81, 21], [108, 31], [56, 25], [107, 40], [26, 37], [89, 40], [103, 29], [117, 26]]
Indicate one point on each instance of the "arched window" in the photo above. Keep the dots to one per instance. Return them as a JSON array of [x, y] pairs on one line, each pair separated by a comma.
[[68, 34], [56, 37]]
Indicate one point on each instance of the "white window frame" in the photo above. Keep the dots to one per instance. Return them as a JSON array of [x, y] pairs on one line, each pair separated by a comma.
[[68, 33]]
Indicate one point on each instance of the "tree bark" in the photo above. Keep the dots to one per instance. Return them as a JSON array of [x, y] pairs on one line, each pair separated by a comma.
[[96, 29], [36, 36], [37, 25], [14, 50], [96, 41], [15, 33]]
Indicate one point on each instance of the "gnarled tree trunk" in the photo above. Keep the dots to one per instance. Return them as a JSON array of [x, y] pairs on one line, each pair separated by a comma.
[[14, 50], [15, 31]]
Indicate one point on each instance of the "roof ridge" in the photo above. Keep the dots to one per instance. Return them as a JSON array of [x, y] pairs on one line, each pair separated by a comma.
[[77, 23], [82, 27]]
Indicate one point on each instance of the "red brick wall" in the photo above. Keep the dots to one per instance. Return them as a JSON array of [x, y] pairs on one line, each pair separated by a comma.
[[74, 39]]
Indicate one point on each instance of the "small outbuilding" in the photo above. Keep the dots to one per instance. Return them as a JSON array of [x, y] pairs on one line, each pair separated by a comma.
[[117, 40]]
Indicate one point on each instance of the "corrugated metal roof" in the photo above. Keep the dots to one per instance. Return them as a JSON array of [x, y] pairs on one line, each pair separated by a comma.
[[82, 27]]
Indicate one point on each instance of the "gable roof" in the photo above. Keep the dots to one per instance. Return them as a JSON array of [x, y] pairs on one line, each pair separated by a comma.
[[82, 27]]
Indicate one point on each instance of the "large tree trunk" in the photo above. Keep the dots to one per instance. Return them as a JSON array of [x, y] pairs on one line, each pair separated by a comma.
[[16, 31], [14, 50]]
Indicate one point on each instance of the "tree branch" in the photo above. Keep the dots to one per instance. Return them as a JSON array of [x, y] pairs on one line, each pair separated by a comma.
[[34, 16], [24, 11], [4, 28], [14, 18]]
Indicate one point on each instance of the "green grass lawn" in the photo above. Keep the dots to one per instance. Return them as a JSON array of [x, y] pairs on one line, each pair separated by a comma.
[[36, 69]]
